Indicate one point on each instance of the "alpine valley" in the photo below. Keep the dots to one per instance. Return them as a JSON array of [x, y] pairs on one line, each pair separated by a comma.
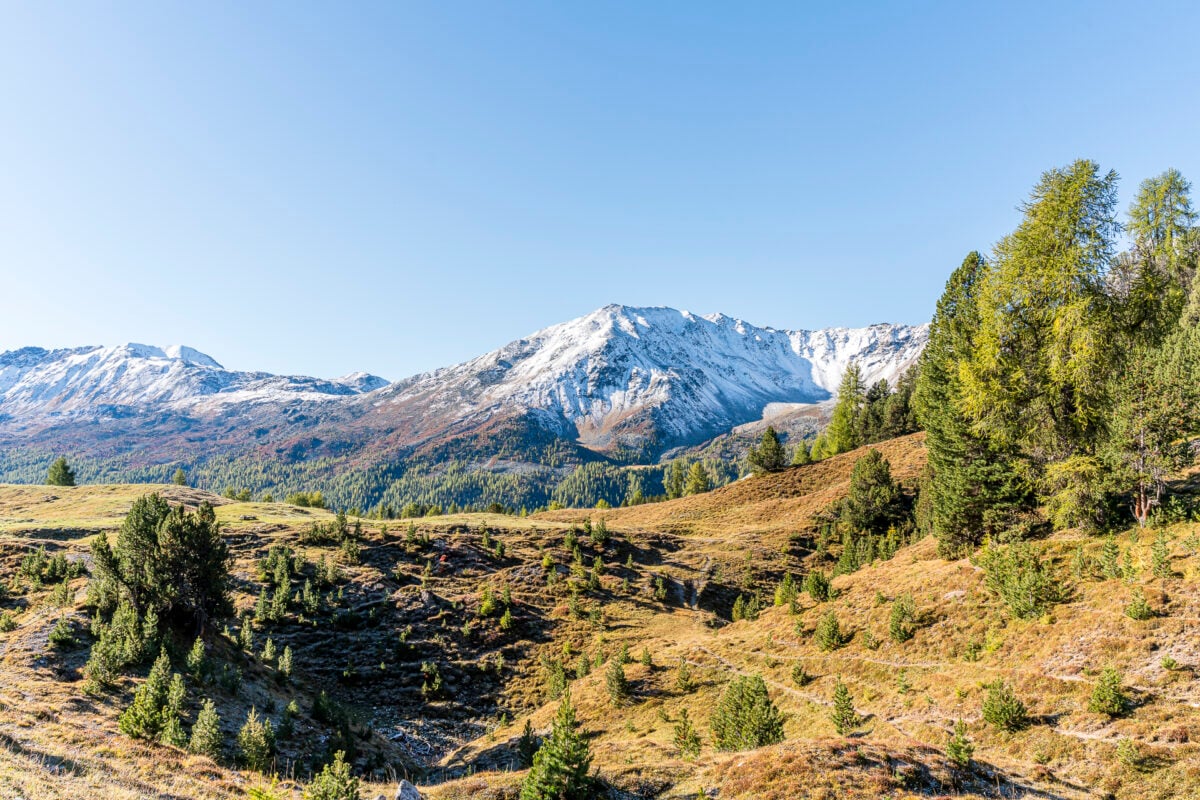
[[620, 386]]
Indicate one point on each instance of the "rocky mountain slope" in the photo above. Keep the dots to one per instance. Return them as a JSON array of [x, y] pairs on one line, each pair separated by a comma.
[[637, 380]]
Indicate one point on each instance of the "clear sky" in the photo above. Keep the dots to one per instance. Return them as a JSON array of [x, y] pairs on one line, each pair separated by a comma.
[[324, 187]]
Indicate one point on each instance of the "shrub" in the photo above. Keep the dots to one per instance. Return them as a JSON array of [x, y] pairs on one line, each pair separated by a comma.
[[560, 766], [334, 782], [1108, 697], [687, 741], [828, 633], [745, 717], [1002, 709]]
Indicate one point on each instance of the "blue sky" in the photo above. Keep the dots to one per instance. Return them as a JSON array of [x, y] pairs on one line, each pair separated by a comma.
[[320, 187]]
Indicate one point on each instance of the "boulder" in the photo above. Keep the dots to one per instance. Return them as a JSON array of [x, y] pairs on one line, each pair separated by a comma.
[[406, 791]]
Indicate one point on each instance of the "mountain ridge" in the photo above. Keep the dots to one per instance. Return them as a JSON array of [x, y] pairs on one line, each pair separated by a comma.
[[621, 378]]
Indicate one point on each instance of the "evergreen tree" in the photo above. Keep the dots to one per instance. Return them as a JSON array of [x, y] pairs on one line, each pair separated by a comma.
[[903, 616], [786, 592], [959, 749], [207, 739], [1108, 697], [816, 584], [334, 782], [828, 634], [172, 728], [1038, 377], [179, 478], [197, 661], [527, 745], [1002, 709], [167, 560], [256, 742], [675, 481], [60, 474], [1160, 556], [801, 455], [144, 717], [845, 719], [842, 434], [769, 455], [616, 683], [745, 717], [560, 767], [687, 740], [972, 486], [874, 502], [698, 481]]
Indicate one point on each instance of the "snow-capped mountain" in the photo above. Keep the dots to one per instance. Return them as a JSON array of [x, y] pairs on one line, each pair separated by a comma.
[[636, 376], [639, 380], [87, 381]]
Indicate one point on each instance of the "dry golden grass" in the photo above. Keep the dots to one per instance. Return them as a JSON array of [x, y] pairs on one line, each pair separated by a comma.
[[909, 694]]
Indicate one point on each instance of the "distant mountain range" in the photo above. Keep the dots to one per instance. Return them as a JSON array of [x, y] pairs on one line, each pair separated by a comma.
[[619, 382]]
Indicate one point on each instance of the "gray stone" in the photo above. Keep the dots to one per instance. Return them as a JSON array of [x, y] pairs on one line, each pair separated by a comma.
[[406, 791]]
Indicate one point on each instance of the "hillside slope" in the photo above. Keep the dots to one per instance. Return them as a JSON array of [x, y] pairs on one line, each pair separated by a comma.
[[670, 575]]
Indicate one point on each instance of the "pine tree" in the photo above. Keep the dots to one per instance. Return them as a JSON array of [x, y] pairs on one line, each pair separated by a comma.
[[845, 719], [172, 727], [1110, 555], [207, 738], [769, 455], [785, 592], [1002, 709], [687, 740], [842, 433], [745, 717], [616, 683], [179, 478], [197, 661], [527, 745], [256, 742], [1160, 556], [684, 682], [873, 503], [904, 614], [144, 718], [1138, 608], [972, 487], [697, 480], [828, 634], [560, 767], [1108, 697], [817, 586], [334, 782], [285, 662], [959, 749], [801, 455], [60, 474]]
